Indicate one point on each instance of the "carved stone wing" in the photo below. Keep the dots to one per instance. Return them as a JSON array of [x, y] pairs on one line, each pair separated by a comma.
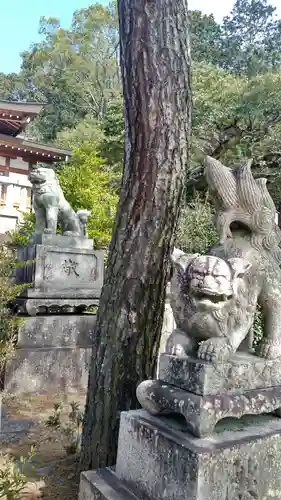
[[221, 183], [249, 193], [267, 200]]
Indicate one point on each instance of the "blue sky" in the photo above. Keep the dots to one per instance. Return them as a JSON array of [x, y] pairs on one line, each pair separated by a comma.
[[20, 20]]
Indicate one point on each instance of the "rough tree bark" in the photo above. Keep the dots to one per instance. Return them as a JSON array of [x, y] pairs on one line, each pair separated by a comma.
[[155, 65]]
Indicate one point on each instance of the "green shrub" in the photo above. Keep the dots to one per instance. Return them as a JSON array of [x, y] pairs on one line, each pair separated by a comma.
[[70, 432], [13, 476], [8, 292], [89, 184], [20, 237], [196, 230]]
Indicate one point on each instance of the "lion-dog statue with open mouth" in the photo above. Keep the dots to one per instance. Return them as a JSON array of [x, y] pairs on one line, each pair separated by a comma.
[[214, 297]]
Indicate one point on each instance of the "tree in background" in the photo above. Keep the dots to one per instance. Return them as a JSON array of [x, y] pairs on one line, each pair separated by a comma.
[[106, 136], [236, 87], [112, 147], [196, 231], [241, 120], [8, 322], [74, 71], [247, 42], [87, 184], [251, 38], [205, 38], [12, 87], [87, 131]]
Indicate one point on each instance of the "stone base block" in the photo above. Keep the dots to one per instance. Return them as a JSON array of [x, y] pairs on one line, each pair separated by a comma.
[[202, 413], [157, 460], [57, 272], [12, 431], [103, 484], [48, 369], [63, 241], [243, 372], [56, 331], [53, 353]]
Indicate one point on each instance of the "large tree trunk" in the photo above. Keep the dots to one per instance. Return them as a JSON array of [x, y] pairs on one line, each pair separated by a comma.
[[155, 65]]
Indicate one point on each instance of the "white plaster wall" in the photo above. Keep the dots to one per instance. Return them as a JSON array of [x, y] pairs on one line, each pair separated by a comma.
[[16, 178], [7, 223], [16, 185]]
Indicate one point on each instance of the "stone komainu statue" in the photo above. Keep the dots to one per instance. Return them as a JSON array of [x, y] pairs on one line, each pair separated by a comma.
[[214, 297], [51, 207]]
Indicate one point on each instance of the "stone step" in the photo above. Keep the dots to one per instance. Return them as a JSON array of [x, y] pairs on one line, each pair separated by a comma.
[[103, 484], [12, 431]]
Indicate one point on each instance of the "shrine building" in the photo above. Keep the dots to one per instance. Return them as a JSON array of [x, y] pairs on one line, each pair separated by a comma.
[[17, 157]]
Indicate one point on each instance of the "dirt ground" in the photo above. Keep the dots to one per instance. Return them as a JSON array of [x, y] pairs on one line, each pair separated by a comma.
[[59, 478]]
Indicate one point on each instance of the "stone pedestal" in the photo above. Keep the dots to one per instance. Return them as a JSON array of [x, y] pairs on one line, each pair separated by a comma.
[[204, 393], [103, 484], [53, 354], [206, 455], [59, 276], [63, 277], [157, 459]]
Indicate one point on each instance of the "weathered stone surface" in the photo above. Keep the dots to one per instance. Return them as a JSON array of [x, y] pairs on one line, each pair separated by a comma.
[[51, 207], [157, 460], [103, 484], [12, 431], [63, 280], [48, 369], [241, 373], [55, 305], [56, 331], [167, 328], [203, 412], [55, 269], [63, 241], [214, 297]]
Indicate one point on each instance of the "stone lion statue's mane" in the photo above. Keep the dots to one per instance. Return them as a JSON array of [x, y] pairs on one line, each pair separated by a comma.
[[50, 181]]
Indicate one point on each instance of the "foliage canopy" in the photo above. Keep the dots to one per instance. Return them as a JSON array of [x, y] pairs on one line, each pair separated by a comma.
[[236, 89]]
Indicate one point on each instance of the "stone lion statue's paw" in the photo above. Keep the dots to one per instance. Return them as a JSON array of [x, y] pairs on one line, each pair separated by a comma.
[[270, 349], [214, 349], [48, 231]]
